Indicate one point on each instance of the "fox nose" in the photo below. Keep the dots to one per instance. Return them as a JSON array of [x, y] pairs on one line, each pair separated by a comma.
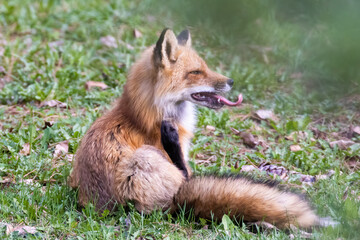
[[230, 82]]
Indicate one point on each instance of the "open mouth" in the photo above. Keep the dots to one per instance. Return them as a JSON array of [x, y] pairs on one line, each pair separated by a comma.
[[212, 100]]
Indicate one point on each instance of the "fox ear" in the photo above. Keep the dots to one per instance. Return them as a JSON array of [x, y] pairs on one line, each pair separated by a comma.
[[165, 49], [184, 38]]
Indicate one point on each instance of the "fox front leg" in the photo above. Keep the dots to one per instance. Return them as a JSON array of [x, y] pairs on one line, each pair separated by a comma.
[[171, 144]]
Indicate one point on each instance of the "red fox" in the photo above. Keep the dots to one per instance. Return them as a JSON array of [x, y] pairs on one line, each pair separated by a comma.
[[138, 151]]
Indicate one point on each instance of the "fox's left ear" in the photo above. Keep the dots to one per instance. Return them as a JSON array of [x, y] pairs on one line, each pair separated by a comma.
[[165, 49], [184, 38]]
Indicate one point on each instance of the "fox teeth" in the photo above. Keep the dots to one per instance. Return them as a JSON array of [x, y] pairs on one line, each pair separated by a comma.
[[219, 101]]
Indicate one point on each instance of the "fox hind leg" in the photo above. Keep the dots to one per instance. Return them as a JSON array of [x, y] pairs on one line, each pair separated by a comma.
[[148, 179]]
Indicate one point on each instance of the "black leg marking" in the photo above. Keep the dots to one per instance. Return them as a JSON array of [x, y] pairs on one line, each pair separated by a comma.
[[171, 144]]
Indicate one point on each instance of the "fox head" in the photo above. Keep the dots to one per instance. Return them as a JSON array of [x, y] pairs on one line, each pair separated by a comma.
[[184, 76], [171, 74]]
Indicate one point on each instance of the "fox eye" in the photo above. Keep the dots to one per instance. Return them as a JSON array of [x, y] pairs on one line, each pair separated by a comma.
[[197, 72]]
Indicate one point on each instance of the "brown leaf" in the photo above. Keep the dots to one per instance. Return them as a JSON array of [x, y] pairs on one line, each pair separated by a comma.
[[25, 150], [61, 148], [21, 229], [247, 168], [342, 144], [235, 131], [295, 148], [27, 181], [210, 128], [249, 139], [6, 181], [266, 115], [109, 41], [356, 129], [264, 145], [318, 134], [201, 156], [92, 84], [353, 163], [53, 103], [137, 33]]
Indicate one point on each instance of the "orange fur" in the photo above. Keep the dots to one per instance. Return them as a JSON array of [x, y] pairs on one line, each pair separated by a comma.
[[121, 157]]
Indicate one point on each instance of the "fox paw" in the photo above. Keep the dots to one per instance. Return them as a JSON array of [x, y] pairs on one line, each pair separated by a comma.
[[171, 144], [169, 133]]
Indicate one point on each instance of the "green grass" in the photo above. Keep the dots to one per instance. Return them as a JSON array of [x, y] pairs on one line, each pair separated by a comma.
[[50, 49]]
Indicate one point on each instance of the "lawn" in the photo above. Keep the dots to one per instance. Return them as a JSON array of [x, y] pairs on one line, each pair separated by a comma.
[[63, 63]]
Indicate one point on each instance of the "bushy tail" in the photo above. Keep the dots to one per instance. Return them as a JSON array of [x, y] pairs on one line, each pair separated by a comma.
[[245, 200]]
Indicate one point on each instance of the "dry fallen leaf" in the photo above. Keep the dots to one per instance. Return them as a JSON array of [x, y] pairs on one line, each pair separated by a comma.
[[53, 103], [25, 150], [249, 139], [342, 144], [356, 129], [210, 128], [295, 148], [109, 41], [200, 156], [5, 181], [353, 163], [318, 134], [247, 168], [21, 229], [61, 148], [266, 115], [92, 84], [235, 131], [137, 33], [27, 181]]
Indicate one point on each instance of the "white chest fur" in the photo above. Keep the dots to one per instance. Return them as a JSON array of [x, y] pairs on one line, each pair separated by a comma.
[[187, 120]]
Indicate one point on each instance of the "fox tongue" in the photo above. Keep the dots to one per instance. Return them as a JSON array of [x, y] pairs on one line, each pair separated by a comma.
[[228, 102]]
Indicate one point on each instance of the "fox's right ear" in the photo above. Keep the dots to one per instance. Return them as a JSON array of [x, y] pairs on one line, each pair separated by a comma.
[[165, 49]]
